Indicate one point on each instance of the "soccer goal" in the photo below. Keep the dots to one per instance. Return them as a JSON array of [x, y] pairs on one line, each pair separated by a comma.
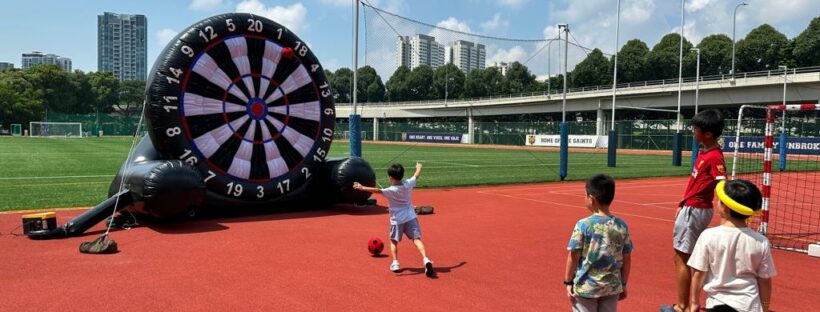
[[777, 147], [55, 129], [16, 129]]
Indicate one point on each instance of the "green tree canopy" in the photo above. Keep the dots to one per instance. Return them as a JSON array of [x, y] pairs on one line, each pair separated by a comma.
[[662, 62], [397, 89], [420, 83], [519, 79], [806, 50], [594, 70], [450, 79], [342, 83], [764, 48], [370, 87], [632, 61], [715, 55]]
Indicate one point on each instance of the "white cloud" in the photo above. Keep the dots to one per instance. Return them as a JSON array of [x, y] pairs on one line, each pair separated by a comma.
[[445, 37], [205, 5], [516, 53], [341, 3], [512, 3], [696, 5], [163, 36], [292, 16], [453, 23], [392, 6], [495, 23]]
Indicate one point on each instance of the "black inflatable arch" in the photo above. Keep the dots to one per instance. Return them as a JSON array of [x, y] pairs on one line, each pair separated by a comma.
[[244, 101]]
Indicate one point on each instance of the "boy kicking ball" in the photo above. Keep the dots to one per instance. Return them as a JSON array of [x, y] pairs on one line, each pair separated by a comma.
[[403, 220]]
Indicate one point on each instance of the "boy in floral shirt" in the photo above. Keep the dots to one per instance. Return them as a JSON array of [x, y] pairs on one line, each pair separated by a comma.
[[599, 252]]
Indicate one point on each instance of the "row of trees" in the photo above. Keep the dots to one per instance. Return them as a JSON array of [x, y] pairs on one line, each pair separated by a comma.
[[28, 95], [764, 48]]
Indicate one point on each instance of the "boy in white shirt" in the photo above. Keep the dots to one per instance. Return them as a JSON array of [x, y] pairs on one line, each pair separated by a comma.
[[403, 219], [734, 260]]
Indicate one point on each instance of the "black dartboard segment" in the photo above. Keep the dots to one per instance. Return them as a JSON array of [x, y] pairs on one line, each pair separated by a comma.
[[246, 102]]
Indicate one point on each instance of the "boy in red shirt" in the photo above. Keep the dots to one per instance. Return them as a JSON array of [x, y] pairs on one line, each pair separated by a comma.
[[695, 209]]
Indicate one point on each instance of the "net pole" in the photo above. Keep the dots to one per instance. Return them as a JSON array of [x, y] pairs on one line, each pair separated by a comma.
[[676, 140], [766, 191], [355, 118], [611, 155], [783, 135], [564, 127]]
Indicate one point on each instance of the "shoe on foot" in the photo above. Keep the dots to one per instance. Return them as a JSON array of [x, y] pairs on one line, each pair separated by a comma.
[[428, 268], [395, 267]]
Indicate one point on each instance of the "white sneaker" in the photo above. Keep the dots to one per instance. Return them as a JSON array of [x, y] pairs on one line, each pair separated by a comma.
[[428, 267], [395, 267]]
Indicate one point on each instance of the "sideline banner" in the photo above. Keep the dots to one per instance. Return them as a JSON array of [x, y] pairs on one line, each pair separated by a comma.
[[431, 137], [574, 140], [754, 144]]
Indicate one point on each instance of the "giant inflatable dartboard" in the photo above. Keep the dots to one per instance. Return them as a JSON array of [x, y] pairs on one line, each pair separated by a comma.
[[245, 102]]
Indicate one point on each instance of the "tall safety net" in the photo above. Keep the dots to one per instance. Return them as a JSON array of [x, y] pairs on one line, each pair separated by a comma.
[[777, 147]]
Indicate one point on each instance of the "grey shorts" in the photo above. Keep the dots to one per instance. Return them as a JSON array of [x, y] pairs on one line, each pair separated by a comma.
[[688, 226], [410, 228], [602, 304]]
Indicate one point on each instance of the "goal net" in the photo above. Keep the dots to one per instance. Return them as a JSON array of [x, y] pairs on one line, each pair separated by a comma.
[[777, 147], [56, 129]]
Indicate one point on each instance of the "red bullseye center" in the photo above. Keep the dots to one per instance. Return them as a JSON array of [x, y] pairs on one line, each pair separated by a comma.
[[257, 109]]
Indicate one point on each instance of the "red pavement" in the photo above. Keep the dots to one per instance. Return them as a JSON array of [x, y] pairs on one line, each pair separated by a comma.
[[496, 248]]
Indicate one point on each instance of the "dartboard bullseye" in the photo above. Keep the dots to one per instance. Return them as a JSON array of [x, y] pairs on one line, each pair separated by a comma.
[[246, 102]]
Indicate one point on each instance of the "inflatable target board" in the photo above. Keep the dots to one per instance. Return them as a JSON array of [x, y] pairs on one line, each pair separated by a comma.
[[238, 113]]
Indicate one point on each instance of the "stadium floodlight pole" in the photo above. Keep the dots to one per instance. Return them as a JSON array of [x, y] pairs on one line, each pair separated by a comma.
[[353, 121], [446, 84], [783, 134], [676, 142], [697, 90], [734, 22], [611, 152], [565, 27]]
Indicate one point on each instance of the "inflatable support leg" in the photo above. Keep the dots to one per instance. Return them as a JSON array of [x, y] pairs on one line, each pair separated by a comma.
[[87, 219]]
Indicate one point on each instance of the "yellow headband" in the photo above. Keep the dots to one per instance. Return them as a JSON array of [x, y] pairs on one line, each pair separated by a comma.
[[720, 190]]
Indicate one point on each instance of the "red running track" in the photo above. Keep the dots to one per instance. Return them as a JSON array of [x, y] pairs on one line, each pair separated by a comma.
[[496, 249]]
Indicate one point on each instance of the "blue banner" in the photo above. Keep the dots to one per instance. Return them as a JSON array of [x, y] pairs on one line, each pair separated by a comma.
[[431, 137], [795, 146]]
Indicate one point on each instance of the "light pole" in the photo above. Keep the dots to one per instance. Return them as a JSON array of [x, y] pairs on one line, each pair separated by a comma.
[[734, 22], [446, 85], [695, 147], [783, 135], [676, 140]]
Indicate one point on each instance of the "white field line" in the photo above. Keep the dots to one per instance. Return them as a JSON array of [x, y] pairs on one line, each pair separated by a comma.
[[58, 177], [573, 206]]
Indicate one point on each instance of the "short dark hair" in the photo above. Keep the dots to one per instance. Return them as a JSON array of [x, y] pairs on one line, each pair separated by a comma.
[[396, 171], [709, 120], [745, 193], [602, 187]]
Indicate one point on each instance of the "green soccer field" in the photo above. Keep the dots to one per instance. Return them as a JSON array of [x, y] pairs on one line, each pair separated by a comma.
[[54, 173]]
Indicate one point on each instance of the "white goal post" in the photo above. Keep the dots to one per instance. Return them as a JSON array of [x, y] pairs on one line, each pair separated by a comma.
[[55, 129]]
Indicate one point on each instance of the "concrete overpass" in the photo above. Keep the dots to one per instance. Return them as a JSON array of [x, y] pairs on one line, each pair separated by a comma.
[[803, 85]]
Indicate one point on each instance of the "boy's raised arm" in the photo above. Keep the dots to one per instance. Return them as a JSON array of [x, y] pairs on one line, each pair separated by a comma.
[[418, 170]]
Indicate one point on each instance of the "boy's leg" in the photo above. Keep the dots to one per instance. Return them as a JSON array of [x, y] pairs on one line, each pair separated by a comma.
[[608, 304], [581, 304], [420, 245], [683, 279], [394, 250]]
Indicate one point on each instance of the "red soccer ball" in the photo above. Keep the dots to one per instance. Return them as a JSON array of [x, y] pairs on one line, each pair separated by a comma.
[[375, 246], [287, 53]]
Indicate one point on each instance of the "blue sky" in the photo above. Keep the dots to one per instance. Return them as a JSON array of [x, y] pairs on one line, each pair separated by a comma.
[[68, 28]]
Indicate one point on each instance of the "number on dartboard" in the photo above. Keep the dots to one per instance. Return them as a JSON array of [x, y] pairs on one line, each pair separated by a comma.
[[327, 132], [172, 132], [210, 34], [325, 90], [168, 108], [301, 48], [211, 175], [279, 34], [329, 111], [172, 80], [284, 186], [260, 192], [168, 99], [187, 51], [254, 25], [234, 189], [191, 160], [314, 68], [229, 23], [306, 171], [176, 71]]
